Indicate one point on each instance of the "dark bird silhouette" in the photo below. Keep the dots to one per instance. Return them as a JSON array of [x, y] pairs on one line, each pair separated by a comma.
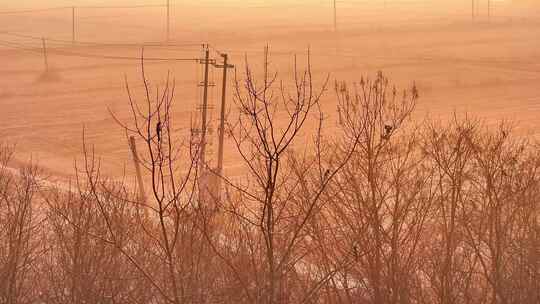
[[355, 252], [158, 131], [388, 129]]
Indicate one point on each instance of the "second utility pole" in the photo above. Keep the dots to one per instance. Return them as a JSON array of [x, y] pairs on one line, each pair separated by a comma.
[[472, 9], [219, 170], [136, 162], [168, 20], [45, 60], [335, 16], [489, 10], [73, 25], [202, 147]]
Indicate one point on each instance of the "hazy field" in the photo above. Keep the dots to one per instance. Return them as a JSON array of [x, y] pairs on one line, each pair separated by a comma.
[[490, 69]]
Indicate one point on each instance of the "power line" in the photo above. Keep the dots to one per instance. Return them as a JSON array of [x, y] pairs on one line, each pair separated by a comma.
[[121, 7], [33, 10], [83, 55], [16, 45], [91, 43], [29, 11], [19, 47]]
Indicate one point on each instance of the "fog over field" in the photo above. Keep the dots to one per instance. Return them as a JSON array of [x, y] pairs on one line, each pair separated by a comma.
[[277, 152], [487, 67]]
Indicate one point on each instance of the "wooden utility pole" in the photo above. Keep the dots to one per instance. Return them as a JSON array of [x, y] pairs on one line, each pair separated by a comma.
[[207, 181], [73, 25], [45, 60], [219, 169], [136, 162], [168, 20], [335, 16], [202, 158], [489, 9], [472, 9]]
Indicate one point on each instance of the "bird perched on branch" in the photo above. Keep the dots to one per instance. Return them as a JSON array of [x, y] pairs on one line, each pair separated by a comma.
[[355, 252], [387, 132], [388, 129], [326, 174], [158, 131]]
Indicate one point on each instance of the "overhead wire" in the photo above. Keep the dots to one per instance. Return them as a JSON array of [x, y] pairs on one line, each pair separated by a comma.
[[39, 10], [29, 11], [90, 43], [408, 9], [18, 45], [121, 6], [114, 57], [12, 45], [29, 45], [249, 4]]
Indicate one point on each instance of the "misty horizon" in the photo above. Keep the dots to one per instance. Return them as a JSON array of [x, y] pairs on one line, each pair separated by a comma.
[[307, 151]]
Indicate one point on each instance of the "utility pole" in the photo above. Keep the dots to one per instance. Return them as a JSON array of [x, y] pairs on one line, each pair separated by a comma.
[[219, 170], [133, 147], [207, 182], [335, 16], [73, 25], [44, 43], [489, 9], [472, 9], [168, 20], [202, 158]]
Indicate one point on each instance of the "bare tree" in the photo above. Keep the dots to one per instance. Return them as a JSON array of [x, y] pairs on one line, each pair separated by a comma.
[[381, 200], [505, 175], [20, 230], [450, 266], [267, 244], [82, 266], [169, 218]]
